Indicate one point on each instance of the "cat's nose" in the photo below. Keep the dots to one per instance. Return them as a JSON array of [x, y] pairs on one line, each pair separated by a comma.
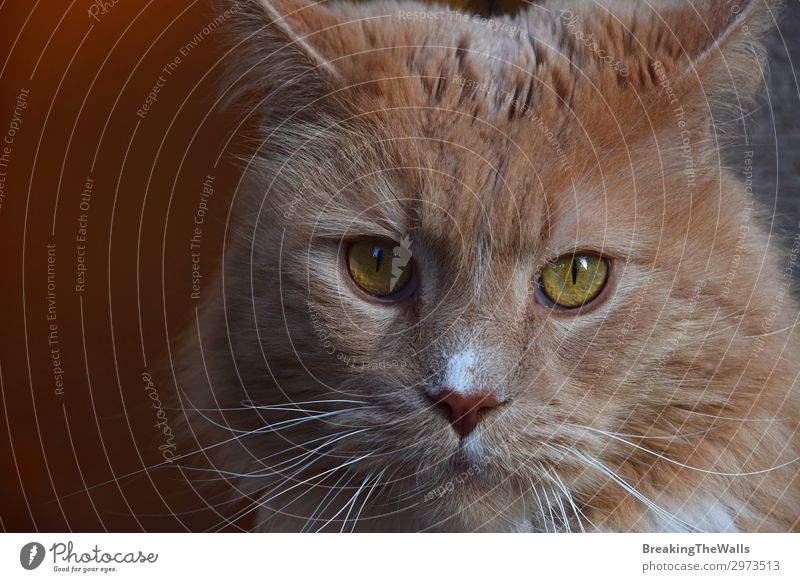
[[463, 410]]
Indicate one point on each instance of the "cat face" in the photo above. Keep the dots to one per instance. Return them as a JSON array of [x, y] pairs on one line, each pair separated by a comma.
[[489, 264]]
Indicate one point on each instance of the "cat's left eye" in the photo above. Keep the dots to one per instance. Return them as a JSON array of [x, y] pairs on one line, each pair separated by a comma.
[[380, 268], [573, 280]]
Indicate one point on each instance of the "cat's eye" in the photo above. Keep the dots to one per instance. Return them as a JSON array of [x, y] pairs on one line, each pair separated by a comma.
[[573, 280], [380, 268]]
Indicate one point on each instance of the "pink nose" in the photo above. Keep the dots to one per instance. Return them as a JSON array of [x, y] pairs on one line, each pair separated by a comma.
[[463, 410]]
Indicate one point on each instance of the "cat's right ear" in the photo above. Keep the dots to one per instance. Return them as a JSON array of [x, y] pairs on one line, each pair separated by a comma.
[[276, 54]]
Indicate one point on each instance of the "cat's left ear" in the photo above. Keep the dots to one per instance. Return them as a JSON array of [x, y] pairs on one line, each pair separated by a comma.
[[303, 25], [279, 54], [723, 43]]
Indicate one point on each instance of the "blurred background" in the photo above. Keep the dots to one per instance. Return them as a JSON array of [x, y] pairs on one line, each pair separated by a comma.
[[99, 188]]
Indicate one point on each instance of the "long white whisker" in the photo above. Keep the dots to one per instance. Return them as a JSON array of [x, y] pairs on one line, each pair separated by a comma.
[[335, 515], [305, 481], [541, 507], [578, 512], [334, 438], [257, 504], [283, 424], [563, 511], [352, 502], [777, 331], [366, 498], [170, 463], [314, 459], [685, 466], [550, 510], [670, 437], [267, 470], [253, 404], [320, 509], [630, 489], [734, 418]]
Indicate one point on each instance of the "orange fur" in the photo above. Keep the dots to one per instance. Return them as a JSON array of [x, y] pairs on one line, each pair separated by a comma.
[[672, 404]]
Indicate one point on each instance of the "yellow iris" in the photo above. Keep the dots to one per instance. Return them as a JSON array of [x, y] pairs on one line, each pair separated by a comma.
[[379, 268], [574, 280]]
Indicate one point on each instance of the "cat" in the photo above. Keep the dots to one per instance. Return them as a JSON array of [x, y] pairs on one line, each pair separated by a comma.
[[495, 275]]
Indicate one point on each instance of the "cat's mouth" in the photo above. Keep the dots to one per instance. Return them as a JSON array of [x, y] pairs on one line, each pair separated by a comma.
[[470, 452], [468, 465]]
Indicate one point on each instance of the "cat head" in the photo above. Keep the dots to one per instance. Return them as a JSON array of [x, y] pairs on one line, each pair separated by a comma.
[[482, 248]]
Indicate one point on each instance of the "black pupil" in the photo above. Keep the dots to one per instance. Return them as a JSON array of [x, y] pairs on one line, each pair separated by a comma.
[[377, 253], [574, 272]]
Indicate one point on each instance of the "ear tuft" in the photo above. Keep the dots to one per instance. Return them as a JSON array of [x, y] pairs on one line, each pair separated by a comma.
[[731, 63], [274, 66]]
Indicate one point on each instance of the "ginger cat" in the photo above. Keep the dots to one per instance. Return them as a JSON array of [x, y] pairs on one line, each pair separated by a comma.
[[495, 275]]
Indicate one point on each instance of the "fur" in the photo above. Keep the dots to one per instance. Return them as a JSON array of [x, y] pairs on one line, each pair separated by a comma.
[[669, 404]]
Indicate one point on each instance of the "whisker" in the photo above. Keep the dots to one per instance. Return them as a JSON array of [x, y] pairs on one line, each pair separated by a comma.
[[283, 424], [263, 502], [251, 405], [286, 478], [672, 437], [352, 502], [272, 469], [630, 489], [777, 331], [698, 469], [563, 512], [560, 484], [162, 464], [550, 510], [335, 515], [369, 494], [541, 507], [319, 509], [734, 418]]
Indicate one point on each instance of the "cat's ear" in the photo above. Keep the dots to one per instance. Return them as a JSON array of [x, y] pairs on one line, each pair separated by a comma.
[[720, 46], [716, 43], [276, 53], [299, 25]]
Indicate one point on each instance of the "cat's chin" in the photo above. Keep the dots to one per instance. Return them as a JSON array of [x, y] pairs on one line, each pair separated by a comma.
[[478, 510]]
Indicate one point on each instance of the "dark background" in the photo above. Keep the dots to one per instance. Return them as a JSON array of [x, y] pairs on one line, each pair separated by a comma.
[[73, 461], [776, 127]]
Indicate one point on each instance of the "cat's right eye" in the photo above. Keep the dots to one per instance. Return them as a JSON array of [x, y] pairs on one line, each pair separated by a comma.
[[381, 268], [573, 280]]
